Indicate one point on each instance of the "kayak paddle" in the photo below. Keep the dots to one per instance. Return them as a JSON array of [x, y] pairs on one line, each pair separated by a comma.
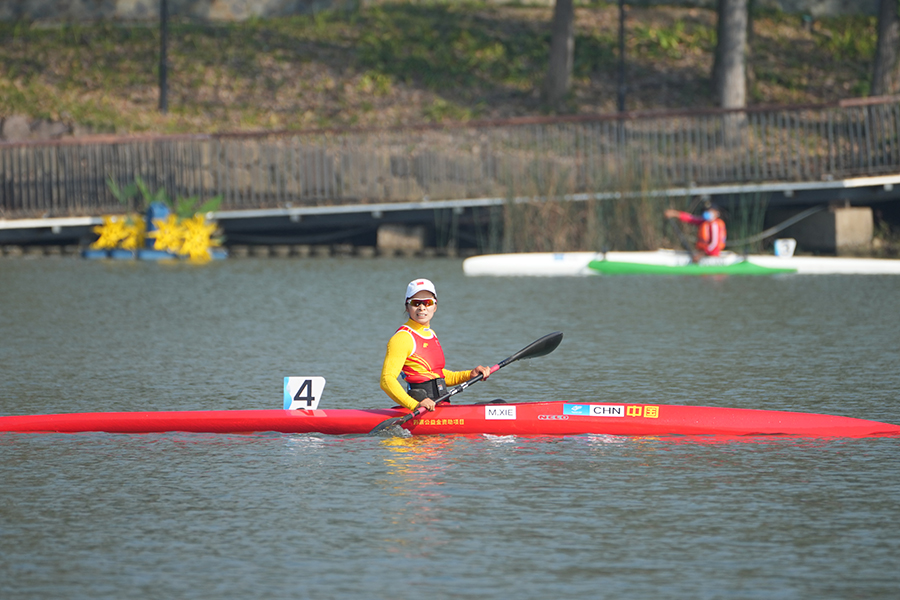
[[541, 347], [680, 235]]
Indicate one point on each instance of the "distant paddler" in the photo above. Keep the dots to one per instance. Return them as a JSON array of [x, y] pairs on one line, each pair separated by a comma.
[[710, 230], [415, 352]]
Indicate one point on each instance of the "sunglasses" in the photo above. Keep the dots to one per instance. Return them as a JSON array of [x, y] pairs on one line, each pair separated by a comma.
[[426, 302]]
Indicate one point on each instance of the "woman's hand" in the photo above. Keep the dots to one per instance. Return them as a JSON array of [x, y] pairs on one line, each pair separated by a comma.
[[427, 404], [484, 371]]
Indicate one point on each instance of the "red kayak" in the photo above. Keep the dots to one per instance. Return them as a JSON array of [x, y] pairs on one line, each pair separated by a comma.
[[533, 418]]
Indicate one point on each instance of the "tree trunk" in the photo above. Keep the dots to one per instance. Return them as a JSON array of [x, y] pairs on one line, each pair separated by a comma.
[[562, 55], [886, 50], [730, 67]]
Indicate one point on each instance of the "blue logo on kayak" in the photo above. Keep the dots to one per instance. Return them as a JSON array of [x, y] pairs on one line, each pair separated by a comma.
[[577, 409]]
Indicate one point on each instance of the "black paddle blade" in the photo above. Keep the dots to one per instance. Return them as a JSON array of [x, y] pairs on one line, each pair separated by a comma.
[[541, 347], [395, 422], [387, 424], [392, 430]]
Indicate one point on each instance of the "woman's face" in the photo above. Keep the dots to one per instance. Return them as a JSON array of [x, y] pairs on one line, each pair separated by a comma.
[[421, 314]]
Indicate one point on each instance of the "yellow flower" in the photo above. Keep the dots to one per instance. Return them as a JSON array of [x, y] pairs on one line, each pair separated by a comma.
[[189, 237], [111, 232], [197, 238], [135, 231], [169, 234]]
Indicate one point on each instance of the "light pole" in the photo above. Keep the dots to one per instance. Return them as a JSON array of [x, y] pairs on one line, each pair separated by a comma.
[[621, 102], [163, 68]]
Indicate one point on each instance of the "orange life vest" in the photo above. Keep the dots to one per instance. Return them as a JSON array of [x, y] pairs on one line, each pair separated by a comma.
[[427, 359], [711, 237]]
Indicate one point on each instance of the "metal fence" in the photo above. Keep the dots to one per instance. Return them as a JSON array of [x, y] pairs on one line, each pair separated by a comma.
[[538, 156]]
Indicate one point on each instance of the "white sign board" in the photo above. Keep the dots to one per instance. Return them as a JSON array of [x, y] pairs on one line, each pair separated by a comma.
[[303, 393]]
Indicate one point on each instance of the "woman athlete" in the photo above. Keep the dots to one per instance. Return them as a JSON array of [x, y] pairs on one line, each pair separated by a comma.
[[415, 352]]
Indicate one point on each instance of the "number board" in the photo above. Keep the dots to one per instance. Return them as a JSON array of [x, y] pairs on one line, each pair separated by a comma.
[[303, 393]]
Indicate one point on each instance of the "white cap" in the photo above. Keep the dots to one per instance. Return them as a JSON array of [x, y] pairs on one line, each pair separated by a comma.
[[419, 285]]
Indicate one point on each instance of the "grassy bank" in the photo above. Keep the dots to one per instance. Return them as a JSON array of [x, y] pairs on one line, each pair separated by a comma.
[[402, 64]]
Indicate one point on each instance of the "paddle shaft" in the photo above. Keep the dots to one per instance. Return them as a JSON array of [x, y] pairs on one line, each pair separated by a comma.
[[445, 397], [680, 234], [541, 347]]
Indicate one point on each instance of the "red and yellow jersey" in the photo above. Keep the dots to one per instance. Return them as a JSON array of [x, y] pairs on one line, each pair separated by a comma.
[[711, 237], [710, 234], [427, 359], [415, 351]]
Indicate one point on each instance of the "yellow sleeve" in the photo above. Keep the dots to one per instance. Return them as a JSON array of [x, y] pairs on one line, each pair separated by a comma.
[[456, 377], [399, 347]]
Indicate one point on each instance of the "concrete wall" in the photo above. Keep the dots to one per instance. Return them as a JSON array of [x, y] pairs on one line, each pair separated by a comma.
[[401, 237], [838, 230], [240, 10]]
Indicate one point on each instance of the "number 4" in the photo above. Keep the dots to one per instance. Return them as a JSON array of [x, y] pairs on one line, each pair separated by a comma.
[[303, 393], [306, 387]]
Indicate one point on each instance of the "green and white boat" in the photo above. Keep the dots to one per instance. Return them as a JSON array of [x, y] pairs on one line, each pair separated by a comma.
[[669, 262]]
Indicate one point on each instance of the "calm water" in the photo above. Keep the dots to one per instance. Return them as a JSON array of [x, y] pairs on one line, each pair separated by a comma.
[[308, 516]]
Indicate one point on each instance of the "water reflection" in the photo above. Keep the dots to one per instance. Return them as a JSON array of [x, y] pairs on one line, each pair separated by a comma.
[[416, 462]]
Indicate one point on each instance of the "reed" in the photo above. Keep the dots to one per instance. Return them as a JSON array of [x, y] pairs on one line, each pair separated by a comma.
[[539, 216], [745, 216]]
